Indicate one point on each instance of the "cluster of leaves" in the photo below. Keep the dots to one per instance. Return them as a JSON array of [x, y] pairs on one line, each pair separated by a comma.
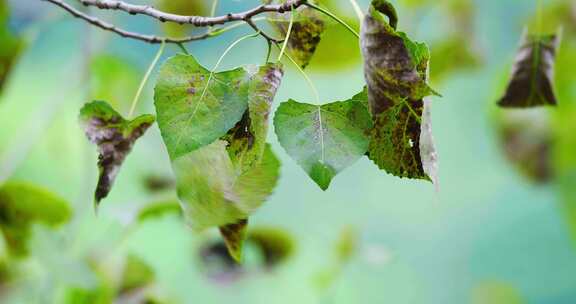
[[214, 124]]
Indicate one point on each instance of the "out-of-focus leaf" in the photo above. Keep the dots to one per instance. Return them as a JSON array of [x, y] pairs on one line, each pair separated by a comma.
[[137, 274], [194, 108], [234, 236], [23, 204], [526, 138], [346, 245], [10, 45], [338, 48], [114, 79], [114, 137], [326, 139], [496, 293], [213, 194], [395, 69], [451, 55], [247, 140], [157, 183], [159, 209], [533, 73], [184, 8], [307, 30], [77, 295], [275, 244]]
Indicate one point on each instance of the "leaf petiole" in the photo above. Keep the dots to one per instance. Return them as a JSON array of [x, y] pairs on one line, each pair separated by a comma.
[[331, 15], [145, 79]]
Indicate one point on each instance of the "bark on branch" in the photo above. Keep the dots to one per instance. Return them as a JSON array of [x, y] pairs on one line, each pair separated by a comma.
[[200, 21]]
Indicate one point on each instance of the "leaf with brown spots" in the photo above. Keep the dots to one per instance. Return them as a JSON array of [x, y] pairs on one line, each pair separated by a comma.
[[326, 139], [234, 236], [533, 73], [247, 140], [114, 137], [307, 29], [395, 69], [196, 107]]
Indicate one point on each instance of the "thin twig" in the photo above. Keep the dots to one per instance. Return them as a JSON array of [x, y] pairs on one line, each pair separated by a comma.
[[127, 34], [200, 21]]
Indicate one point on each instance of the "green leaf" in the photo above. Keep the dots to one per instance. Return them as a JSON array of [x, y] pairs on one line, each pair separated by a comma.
[[137, 274], [234, 236], [532, 79], [194, 108], [159, 209], [211, 191], [22, 204], [274, 244], [396, 78], [114, 137], [247, 140], [307, 30], [183, 8], [10, 45], [326, 139]]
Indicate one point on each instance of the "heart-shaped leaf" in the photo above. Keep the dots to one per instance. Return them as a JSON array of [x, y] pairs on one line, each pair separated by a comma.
[[22, 204], [114, 137], [326, 139], [395, 70], [196, 107], [307, 28], [211, 191], [533, 73]]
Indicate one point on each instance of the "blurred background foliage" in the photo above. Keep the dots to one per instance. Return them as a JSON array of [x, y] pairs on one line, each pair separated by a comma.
[[497, 231]]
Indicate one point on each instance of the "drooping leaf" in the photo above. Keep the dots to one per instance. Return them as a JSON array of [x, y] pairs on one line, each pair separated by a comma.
[[526, 139], [532, 79], [395, 69], [307, 29], [136, 274], [195, 109], [114, 137], [10, 45], [234, 236], [326, 139], [23, 204], [213, 194], [114, 79], [247, 140]]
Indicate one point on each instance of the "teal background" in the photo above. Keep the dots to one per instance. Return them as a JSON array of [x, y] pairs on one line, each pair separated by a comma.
[[485, 226]]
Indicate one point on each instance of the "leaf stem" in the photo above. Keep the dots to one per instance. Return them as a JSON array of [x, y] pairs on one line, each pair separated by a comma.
[[308, 80], [230, 47], [145, 79], [539, 17], [287, 34], [358, 10], [331, 15], [183, 48]]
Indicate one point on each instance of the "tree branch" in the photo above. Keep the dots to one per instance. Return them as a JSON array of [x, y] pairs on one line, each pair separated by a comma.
[[200, 21], [109, 27]]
